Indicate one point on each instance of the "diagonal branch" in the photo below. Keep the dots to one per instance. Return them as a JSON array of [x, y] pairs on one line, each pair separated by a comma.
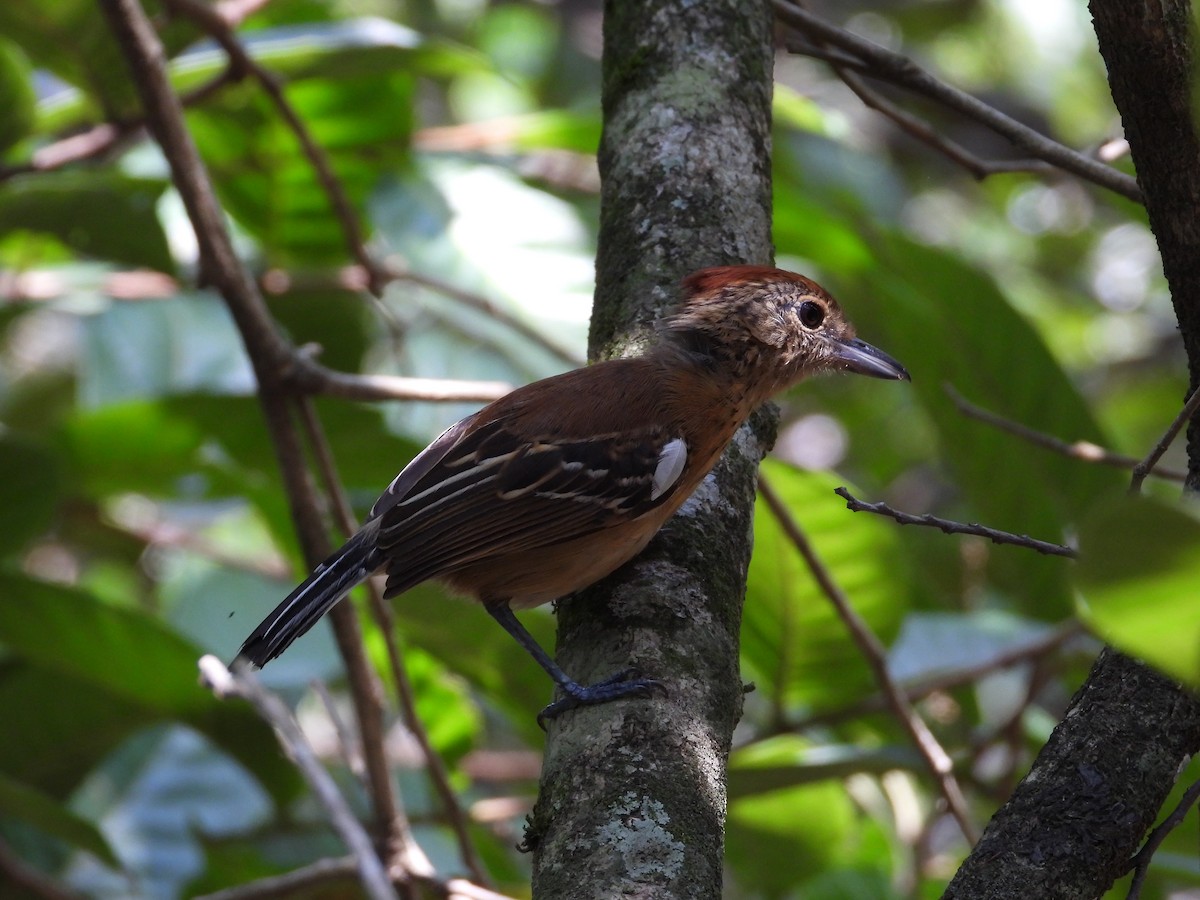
[[936, 759], [270, 354], [1085, 451], [949, 526], [211, 20], [225, 683], [1146, 466], [885, 65]]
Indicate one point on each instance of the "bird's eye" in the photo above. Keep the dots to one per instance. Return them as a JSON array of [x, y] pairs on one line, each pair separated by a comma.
[[811, 314]]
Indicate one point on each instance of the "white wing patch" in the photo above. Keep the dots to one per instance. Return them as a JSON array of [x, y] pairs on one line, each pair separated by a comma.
[[670, 466]]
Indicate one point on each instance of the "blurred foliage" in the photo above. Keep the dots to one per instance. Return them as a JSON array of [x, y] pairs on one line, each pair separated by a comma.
[[142, 520]]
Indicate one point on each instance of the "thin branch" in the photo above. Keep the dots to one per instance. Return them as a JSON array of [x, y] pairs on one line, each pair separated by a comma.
[[243, 683], [354, 278], [848, 69], [936, 759], [1085, 451], [21, 875], [949, 526], [272, 357], [482, 304], [210, 20], [1143, 468], [894, 68], [386, 623], [324, 873], [328, 873], [105, 137], [317, 379], [1140, 864], [1034, 649], [390, 814]]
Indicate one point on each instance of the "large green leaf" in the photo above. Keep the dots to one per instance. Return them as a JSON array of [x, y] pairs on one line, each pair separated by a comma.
[[17, 97], [94, 673], [1138, 571], [104, 215], [29, 492], [952, 326], [778, 838], [29, 805], [341, 49], [794, 644], [180, 344]]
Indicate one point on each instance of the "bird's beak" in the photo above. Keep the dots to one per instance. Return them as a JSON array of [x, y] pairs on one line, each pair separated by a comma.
[[859, 356]]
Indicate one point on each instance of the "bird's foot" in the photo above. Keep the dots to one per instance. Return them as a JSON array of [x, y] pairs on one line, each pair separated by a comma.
[[626, 683]]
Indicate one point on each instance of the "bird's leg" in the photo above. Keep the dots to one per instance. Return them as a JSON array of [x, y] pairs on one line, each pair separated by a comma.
[[625, 683]]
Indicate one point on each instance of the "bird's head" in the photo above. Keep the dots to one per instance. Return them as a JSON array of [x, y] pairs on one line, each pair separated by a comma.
[[771, 326]]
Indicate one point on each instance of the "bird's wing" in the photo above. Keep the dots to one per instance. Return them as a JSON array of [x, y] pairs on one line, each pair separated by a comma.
[[492, 492]]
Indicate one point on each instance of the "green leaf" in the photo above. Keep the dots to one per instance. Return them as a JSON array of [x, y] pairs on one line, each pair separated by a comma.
[[182, 344], [794, 644], [950, 324], [20, 801], [133, 446], [104, 215], [17, 97], [94, 673], [1138, 569], [777, 839], [29, 495]]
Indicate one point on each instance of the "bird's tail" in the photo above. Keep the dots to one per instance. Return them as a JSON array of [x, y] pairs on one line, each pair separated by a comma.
[[300, 610]]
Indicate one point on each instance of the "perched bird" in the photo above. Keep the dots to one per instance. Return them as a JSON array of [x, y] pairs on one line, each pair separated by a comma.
[[555, 485]]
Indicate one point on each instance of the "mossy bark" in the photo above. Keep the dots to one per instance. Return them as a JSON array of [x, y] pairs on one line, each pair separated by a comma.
[[632, 800]]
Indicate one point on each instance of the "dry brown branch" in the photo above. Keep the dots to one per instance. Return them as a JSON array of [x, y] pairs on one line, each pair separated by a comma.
[[949, 526], [224, 684], [1146, 466], [1085, 451], [105, 137], [275, 362], [884, 65], [1140, 863], [211, 20], [936, 759], [1032, 650], [386, 623]]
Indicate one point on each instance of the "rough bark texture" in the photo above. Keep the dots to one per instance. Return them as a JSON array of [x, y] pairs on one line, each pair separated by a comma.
[[1071, 826], [1097, 786], [632, 800], [1148, 50]]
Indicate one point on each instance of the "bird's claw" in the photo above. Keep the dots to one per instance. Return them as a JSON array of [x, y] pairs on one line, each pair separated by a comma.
[[626, 683]]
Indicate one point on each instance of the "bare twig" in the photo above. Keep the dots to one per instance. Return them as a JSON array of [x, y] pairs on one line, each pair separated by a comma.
[[387, 627], [949, 526], [211, 20], [242, 683], [324, 873], [24, 877], [487, 307], [1140, 864], [354, 278], [333, 872], [274, 360], [936, 759], [100, 139], [1081, 450], [1034, 649], [848, 69], [1143, 468], [879, 62]]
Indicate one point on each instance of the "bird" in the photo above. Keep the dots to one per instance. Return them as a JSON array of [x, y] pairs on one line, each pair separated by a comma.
[[553, 486]]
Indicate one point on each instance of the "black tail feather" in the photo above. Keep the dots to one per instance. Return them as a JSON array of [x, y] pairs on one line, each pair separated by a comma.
[[300, 610]]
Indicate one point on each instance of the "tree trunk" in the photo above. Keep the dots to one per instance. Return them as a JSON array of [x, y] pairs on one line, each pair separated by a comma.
[[632, 800], [1072, 825]]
